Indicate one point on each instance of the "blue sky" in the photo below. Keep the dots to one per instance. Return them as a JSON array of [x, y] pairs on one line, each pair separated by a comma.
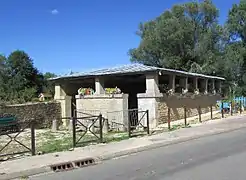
[[62, 35]]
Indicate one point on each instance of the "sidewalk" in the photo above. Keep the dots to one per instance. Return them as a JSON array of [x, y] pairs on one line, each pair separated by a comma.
[[41, 164]]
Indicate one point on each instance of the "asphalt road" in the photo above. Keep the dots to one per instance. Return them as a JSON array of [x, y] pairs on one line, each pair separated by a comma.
[[217, 157]]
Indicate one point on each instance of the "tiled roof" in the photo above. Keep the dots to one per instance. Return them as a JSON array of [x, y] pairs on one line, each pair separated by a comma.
[[131, 68]]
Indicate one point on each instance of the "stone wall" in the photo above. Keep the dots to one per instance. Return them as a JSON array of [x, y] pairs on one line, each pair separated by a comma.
[[176, 105], [112, 107], [43, 113]]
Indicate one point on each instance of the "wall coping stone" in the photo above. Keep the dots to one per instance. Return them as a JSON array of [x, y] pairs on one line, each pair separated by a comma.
[[102, 96], [164, 95], [63, 98], [29, 104], [148, 95]]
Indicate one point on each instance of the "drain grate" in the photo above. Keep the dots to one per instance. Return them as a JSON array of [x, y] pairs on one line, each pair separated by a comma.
[[84, 162], [62, 167], [72, 165]]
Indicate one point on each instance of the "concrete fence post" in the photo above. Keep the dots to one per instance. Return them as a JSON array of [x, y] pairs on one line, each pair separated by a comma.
[[54, 127], [70, 125], [105, 125]]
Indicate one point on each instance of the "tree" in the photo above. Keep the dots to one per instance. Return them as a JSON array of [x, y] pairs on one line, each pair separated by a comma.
[[49, 86], [21, 81], [236, 26], [236, 22], [188, 37], [3, 77]]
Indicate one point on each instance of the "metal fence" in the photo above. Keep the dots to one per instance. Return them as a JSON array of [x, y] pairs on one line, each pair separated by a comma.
[[185, 115], [120, 121], [12, 131], [138, 122], [90, 126], [82, 130], [229, 107]]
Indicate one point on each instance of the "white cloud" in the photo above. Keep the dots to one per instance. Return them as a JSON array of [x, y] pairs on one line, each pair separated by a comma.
[[54, 12]]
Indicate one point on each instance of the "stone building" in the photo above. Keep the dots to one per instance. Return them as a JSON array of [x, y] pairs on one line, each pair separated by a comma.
[[143, 88]]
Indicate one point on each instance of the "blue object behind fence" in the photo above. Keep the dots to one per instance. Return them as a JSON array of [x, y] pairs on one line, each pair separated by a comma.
[[226, 105], [242, 99]]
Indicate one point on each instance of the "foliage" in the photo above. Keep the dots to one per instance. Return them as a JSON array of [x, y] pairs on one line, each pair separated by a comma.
[[20, 81], [188, 37], [49, 86]]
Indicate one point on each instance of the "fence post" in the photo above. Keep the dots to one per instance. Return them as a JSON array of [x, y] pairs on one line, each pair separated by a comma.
[[199, 114], [185, 118], [169, 118], [105, 125], [231, 108], [74, 131], [211, 111], [101, 127], [129, 124], [222, 109], [147, 114], [33, 145], [54, 125], [240, 104]]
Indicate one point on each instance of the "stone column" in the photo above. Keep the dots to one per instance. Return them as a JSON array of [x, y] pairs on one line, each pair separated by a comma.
[[152, 84], [195, 83], [59, 91], [149, 99], [172, 82], [149, 102], [99, 86], [66, 103], [205, 85]]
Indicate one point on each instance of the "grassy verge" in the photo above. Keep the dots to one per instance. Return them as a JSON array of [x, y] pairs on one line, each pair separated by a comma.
[[53, 143], [179, 126]]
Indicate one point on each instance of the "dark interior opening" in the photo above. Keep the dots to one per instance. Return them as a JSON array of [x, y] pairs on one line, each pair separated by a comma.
[[164, 83], [131, 85]]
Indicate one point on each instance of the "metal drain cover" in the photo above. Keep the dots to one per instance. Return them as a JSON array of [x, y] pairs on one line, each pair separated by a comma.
[[72, 165]]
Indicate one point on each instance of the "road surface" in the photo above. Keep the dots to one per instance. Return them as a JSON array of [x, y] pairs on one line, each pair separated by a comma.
[[217, 157]]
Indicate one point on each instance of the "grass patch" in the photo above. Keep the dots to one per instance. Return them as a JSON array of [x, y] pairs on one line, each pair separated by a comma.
[[52, 143], [179, 126], [56, 145], [115, 137]]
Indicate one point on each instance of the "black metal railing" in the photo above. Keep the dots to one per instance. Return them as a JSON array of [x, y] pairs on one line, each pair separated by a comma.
[[92, 126], [13, 131], [138, 122]]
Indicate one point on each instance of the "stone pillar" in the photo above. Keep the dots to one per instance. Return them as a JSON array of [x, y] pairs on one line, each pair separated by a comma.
[[59, 91], [172, 82], [149, 102], [152, 84], [66, 103], [204, 85], [195, 83], [99, 86]]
